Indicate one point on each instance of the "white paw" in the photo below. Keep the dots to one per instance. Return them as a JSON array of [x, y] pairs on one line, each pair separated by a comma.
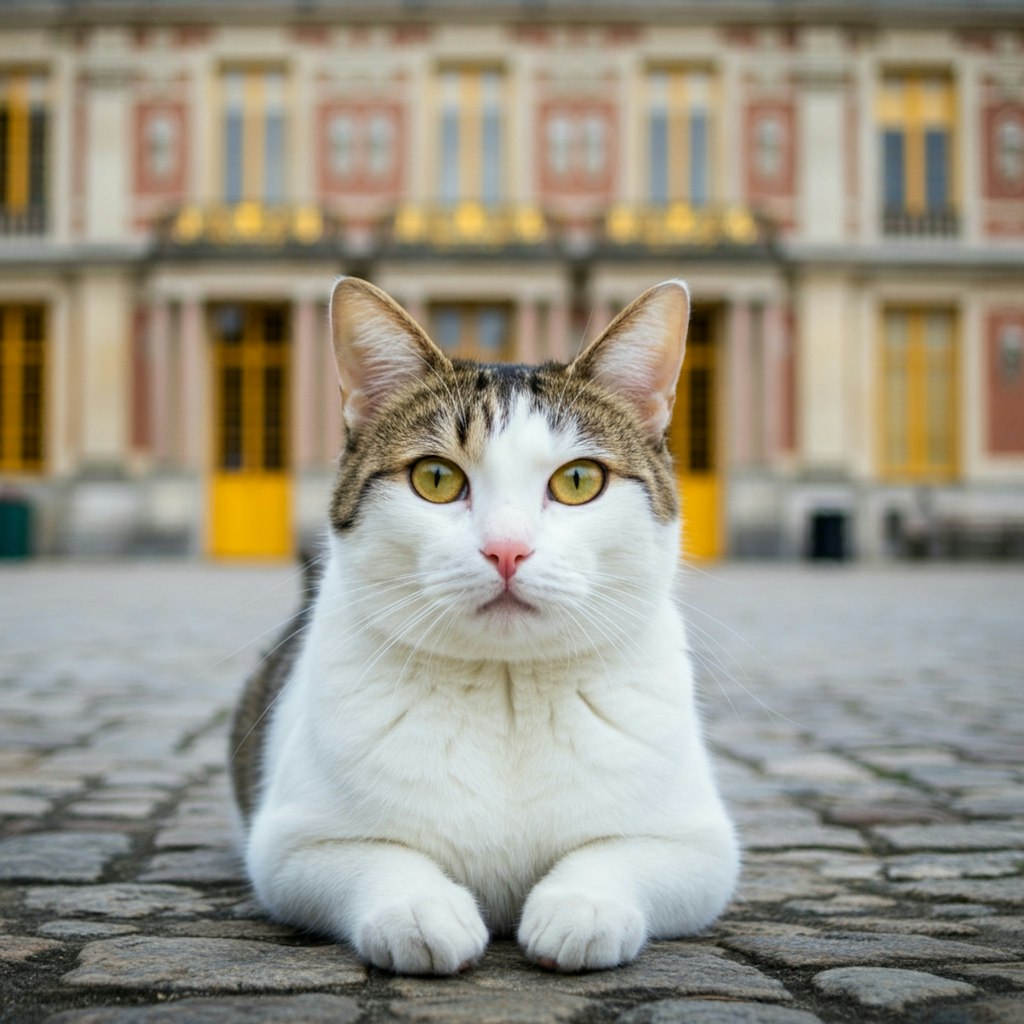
[[573, 931], [435, 934]]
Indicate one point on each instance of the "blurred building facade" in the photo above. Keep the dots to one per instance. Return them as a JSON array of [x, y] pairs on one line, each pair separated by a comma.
[[842, 187]]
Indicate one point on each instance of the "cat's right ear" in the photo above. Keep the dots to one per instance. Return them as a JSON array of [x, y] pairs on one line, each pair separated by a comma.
[[377, 347]]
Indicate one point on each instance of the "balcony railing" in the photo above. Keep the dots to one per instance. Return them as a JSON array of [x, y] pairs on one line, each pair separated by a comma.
[[683, 225], [247, 224], [944, 223], [469, 225]]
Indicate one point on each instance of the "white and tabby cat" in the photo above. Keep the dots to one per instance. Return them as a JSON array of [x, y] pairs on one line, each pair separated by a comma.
[[483, 721]]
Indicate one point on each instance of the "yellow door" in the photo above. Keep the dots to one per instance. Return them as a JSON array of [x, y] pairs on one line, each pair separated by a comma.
[[250, 490], [693, 439]]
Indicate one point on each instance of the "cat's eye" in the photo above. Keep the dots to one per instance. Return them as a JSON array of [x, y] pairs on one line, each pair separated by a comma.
[[577, 482], [438, 480]]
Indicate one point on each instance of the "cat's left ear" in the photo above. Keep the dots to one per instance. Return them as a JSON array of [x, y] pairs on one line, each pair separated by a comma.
[[378, 348], [640, 354]]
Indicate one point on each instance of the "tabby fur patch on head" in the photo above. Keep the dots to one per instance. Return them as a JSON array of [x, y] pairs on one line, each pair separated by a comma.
[[451, 407]]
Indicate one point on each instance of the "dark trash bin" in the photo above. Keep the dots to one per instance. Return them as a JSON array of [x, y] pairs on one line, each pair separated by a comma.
[[15, 526], [828, 541]]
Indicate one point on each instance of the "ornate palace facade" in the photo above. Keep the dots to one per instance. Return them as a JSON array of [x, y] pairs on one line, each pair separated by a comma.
[[841, 185]]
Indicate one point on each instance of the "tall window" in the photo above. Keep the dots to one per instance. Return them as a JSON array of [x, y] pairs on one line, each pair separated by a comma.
[[471, 135], [473, 330], [254, 135], [679, 134], [22, 153], [919, 394], [916, 126], [22, 383]]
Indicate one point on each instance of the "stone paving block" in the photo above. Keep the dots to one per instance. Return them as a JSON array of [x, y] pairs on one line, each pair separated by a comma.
[[673, 968], [1006, 1010], [854, 949], [905, 926], [1005, 924], [1006, 804], [706, 1011], [764, 884], [490, 1008], [787, 837], [219, 929], [954, 865], [831, 864], [888, 988], [845, 903], [952, 837], [861, 815], [19, 805], [217, 834], [1012, 973], [993, 890], [815, 767], [959, 909], [202, 866], [115, 808], [60, 856], [122, 900], [212, 965], [301, 1009], [18, 948], [64, 929]]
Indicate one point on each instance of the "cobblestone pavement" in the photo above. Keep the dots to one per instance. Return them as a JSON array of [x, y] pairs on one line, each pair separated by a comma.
[[870, 733]]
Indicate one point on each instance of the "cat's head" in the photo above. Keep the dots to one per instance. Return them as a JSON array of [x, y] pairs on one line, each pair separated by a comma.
[[510, 512]]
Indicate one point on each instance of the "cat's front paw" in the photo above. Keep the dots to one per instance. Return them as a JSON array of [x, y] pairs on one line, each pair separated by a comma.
[[575, 931], [431, 934]]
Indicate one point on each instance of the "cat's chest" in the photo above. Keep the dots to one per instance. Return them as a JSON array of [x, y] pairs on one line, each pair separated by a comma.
[[497, 748]]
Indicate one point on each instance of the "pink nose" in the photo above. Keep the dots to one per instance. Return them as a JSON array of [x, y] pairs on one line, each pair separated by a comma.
[[506, 556]]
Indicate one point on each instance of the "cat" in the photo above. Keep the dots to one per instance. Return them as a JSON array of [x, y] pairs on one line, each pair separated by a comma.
[[482, 721]]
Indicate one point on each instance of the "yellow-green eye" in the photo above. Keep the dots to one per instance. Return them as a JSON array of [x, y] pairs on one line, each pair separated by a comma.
[[577, 482], [438, 480]]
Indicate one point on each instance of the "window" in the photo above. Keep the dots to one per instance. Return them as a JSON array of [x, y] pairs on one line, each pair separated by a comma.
[[254, 136], [161, 146], [472, 149], [23, 150], [576, 147], [362, 143], [559, 145], [382, 146], [1010, 150], [679, 136], [769, 140], [22, 388], [342, 140], [918, 394], [473, 330], [916, 127]]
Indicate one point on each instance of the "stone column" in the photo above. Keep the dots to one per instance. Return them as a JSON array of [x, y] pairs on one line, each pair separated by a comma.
[[158, 342], [194, 409], [304, 384], [822, 156], [103, 326], [772, 364], [821, 317], [106, 167], [740, 383], [559, 345], [528, 349]]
